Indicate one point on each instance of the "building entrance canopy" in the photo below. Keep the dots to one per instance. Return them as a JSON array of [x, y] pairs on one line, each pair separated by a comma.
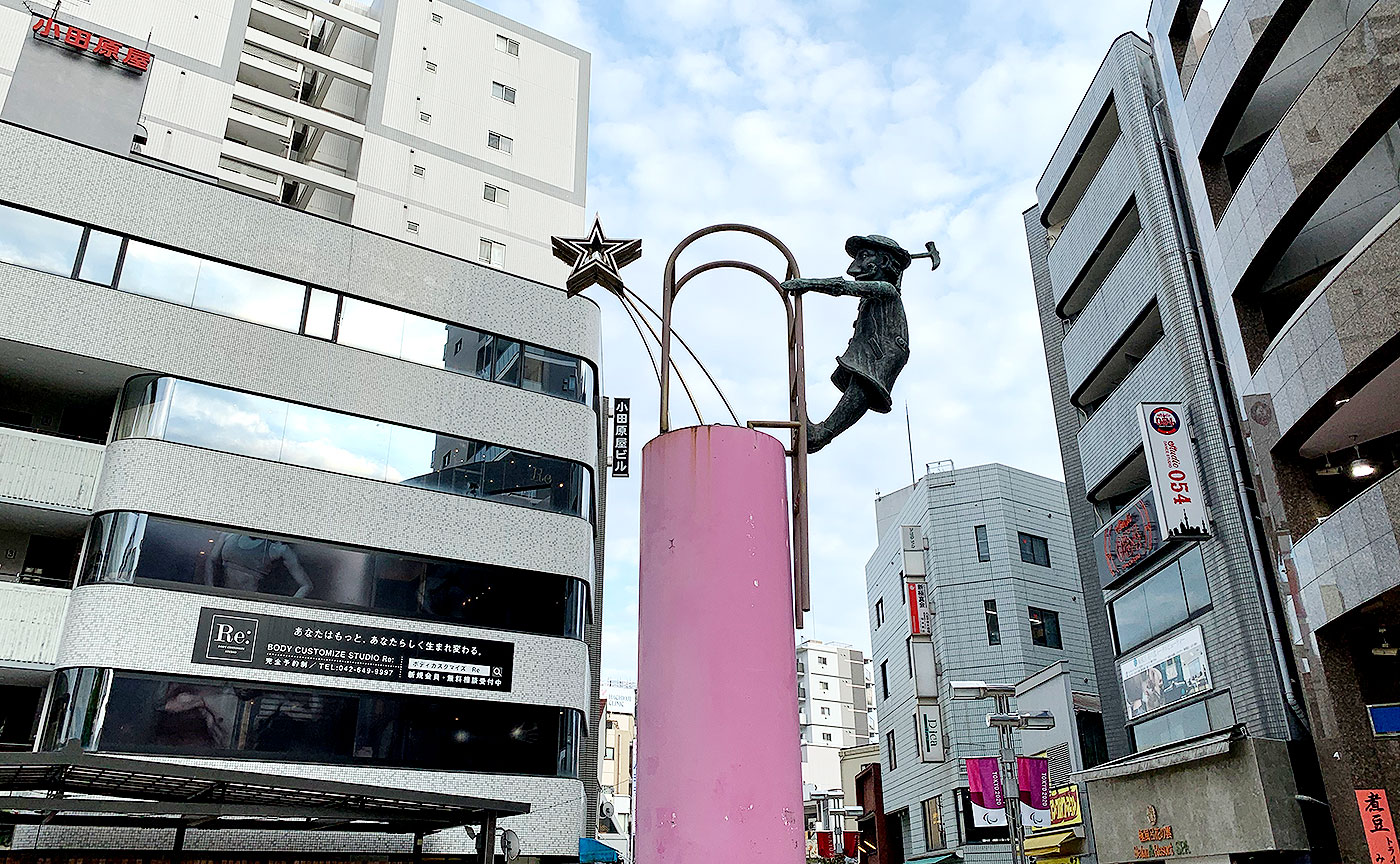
[[57, 789]]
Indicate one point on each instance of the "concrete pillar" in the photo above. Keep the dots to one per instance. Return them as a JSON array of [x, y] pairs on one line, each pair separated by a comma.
[[720, 767]]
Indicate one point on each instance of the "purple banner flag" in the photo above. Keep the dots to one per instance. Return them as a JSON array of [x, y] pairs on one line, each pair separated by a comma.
[[984, 790], [1033, 778]]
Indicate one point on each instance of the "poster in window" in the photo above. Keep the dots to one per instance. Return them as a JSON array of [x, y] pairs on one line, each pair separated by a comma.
[[311, 647], [1165, 674]]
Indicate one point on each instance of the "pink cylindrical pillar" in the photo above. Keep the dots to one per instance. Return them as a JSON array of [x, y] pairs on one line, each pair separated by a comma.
[[720, 769]]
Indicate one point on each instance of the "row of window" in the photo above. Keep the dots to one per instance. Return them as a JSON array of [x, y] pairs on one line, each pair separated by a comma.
[[140, 549], [128, 712], [184, 412], [1034, 550], [67, 249], [504, 44], [1045, 625], [1175, 594]]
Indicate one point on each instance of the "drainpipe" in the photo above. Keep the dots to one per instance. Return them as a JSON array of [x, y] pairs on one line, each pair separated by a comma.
[[1225, 411]]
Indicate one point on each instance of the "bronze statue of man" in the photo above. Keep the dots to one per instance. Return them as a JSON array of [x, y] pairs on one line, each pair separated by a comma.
[[880, 346]]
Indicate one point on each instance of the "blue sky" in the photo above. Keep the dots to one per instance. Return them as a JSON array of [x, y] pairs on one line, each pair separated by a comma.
[[919, 120]]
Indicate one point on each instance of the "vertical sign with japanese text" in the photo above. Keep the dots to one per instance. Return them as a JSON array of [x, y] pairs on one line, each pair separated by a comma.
[[1377, 824], [622, 437], [1171, 465]]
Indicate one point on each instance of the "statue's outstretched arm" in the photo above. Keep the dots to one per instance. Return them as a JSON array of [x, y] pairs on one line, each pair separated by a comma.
[[840, 287]]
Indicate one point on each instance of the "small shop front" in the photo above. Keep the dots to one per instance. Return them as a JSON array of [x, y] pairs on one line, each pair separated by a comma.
[[1220, 797]]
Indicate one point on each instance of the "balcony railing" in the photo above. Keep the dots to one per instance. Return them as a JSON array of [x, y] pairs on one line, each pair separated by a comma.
[[47, 471], [31, 621]]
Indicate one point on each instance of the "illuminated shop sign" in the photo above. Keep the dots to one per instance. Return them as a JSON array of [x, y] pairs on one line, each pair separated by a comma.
[[225, 638], [1129, 539], [1171, 464], [100, 47]]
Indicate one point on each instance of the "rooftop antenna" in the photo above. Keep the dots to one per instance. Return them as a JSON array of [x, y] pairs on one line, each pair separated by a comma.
[[909, 428]]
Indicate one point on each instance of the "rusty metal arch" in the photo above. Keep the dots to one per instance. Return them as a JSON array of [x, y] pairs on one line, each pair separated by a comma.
[[797, 385]]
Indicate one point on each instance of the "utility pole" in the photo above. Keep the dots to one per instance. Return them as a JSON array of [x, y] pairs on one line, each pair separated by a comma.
[[1006, 723]]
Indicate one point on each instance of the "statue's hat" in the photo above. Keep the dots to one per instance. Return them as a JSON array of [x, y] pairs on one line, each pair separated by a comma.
[[879, 244]]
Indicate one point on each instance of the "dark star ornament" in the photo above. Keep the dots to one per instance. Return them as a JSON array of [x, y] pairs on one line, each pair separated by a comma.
[[596, 259]]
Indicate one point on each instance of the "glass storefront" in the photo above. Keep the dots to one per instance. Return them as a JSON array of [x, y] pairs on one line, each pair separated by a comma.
[[136, 548], [66, 249], [171, 409], [129, 712]]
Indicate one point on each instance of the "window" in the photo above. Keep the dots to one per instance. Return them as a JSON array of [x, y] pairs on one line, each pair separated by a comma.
[[826, 712], [823, 685], [502, 92], [609, 753], [879, 612], [989, 608], [430, 65], [412, 227], [933, 825], [100, 254], [508, 45], [170, 409], [1093, 743], [496, 195], [160, 552], [497, 141], [425, 117], [322, 307], [826, 736], [492, 253], [984, 550], [175, 277], [1045, 627], [151, 714], [38, 242], [51, 245], [437, 18], [1176, 593], [821, 661], [885, 678], [1034, 550], [889, 747], [420, 171]]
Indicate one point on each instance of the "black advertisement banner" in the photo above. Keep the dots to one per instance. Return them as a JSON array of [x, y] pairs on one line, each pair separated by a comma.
[[249, 640]]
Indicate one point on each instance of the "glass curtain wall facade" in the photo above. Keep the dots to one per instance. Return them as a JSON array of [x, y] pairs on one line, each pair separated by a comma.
[[160, 552], [44, 243], [130, 712], [170, 409]]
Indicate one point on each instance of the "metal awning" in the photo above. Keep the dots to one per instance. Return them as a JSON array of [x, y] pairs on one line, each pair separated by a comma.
[[1051, 842], [37, 788]]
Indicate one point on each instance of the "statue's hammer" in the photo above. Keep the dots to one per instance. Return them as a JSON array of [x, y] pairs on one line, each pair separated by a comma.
[[931, 254]]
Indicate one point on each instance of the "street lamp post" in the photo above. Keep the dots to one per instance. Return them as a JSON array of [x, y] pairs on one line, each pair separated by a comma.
[[1006, 723]]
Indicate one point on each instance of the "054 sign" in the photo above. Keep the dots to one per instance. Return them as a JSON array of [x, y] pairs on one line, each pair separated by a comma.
[[1171, 464]]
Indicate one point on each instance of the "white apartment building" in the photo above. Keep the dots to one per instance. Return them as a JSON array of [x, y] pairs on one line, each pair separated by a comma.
[[834, 707], [291, 481], [436, 122]]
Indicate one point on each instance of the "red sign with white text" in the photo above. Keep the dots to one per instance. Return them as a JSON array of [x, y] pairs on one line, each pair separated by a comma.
[[1377, 824], [78, 39]]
